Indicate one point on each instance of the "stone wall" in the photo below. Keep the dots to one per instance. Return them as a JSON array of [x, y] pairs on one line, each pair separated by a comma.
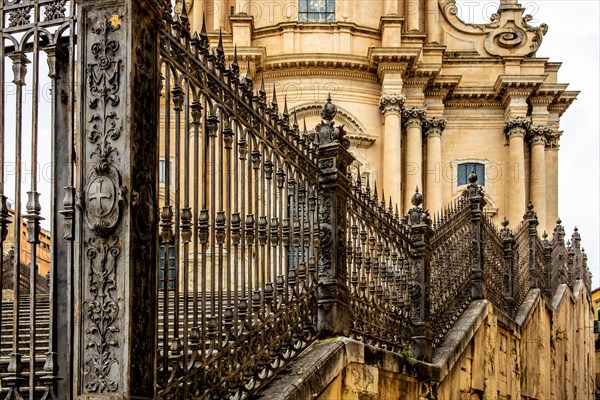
[[545, 353]]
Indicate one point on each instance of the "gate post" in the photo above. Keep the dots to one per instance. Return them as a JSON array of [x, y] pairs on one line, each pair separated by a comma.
[[475, 195], [333, 317], [532, 220], [421, 255], [508, 242], [116, 285]]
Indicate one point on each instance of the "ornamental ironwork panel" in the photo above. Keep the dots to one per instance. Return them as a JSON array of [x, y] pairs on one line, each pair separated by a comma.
[[521, 273], [38, 46], [379, 271], [450, 266], [493, 263]]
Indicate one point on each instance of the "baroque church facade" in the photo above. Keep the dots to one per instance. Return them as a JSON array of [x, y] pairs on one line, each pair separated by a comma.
[[425, 97]]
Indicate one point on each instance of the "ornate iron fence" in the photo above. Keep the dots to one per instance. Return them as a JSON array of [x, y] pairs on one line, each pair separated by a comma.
[[238, 199], [216, 240], [451, 266], [379, 270], [37, 39]]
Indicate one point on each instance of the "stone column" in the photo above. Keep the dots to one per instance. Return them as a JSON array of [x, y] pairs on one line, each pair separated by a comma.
[[117, 235], [433, 21], [413, 121], [219, 8], [420, 270], [390, 7], [433, 196], [537, 185], [391, 107], [552, 146], [333, 315], [516, 129], [412, 15]]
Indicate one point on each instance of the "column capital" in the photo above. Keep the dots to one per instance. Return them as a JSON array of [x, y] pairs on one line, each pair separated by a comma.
[[391, 103], [552, 140], [434, 126], [538, 134], [414, 116], [517, 127]]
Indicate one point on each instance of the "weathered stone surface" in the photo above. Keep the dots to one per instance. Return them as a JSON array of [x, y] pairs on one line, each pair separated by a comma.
[[485, 355]]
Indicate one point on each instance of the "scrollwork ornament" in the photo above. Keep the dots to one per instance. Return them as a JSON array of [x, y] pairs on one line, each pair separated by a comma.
[[102, 312], [104, 197], [20, 16], [55, 10]]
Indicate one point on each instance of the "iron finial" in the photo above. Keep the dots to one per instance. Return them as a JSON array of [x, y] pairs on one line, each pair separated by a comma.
[[417, 198], [473, 177]]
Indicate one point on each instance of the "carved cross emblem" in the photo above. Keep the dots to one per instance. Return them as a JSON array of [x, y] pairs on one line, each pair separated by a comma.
[[101, 197]]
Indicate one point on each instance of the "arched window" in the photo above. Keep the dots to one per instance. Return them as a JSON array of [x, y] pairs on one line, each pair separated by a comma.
[[316, 10]]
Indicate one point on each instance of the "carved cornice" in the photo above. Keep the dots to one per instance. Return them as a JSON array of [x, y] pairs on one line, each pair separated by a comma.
[[563, 102], [538, 134], [391, 103], [414, 116], [434, 126], [517, 127]]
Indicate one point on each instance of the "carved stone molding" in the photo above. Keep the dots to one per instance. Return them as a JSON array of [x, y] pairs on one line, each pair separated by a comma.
[[391, 103], [434, 126], [517, 126], [414, 116]]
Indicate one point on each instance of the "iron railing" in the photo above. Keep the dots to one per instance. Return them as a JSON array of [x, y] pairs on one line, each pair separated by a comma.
[[379, 271], [267, 244], [37, 40], [239, 203], [451, 266]]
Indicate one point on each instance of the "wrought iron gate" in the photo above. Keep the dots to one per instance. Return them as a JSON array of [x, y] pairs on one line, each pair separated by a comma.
[[37, 73]]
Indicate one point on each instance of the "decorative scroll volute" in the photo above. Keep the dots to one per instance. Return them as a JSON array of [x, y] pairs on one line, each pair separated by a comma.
[[508, 33], [512, 35]]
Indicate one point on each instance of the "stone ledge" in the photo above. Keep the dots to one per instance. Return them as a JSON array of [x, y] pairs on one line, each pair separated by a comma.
[[318, 366], [458, 338], [526, 308]]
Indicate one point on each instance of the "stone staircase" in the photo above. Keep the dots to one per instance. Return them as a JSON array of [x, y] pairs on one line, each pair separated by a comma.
[[42, 324]]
